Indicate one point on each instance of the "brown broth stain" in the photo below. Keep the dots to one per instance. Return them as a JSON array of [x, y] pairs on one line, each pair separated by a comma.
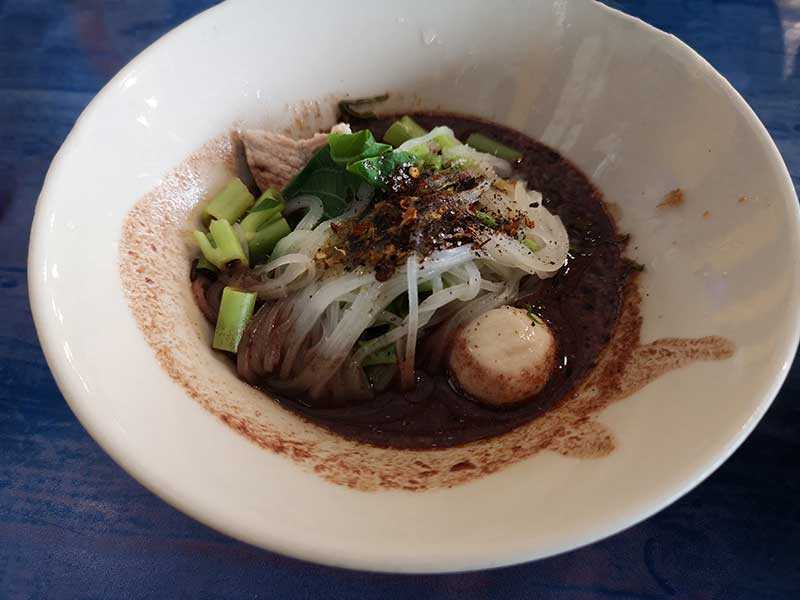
[[154, 266], [672, 200]]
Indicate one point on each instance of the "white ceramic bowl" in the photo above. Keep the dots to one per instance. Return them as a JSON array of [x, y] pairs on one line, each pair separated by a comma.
[[635, 108]]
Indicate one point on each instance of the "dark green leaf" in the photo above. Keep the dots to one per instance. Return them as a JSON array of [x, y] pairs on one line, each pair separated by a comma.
[[326, 180], [378, 170], [347, 148]]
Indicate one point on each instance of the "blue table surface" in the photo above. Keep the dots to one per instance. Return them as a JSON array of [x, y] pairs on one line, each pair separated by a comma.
[[74, 525]]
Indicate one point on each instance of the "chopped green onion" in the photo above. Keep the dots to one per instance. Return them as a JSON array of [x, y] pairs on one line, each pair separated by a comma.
[[486, 144], [222, 246], [445, 140], [379, 169], [486, 219], [235, 311], [231, 203], [268, 200], [384, 356], [533, 316], [347, 148], [532, 245], [263, 241], [267, 209], [397, 134], [414, 129], [637, 267]]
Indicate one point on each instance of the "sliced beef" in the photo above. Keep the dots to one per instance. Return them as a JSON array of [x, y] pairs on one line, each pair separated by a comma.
[[274, 158]]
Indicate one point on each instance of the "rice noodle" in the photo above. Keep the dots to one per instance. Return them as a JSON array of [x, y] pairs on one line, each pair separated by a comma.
[[548, 231], [412, 323], [319, 301], [305, 338], [312, 217], [277, 286]]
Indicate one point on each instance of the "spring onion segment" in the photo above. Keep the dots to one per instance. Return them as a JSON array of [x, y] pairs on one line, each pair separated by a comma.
[[486, 144], [235, 311], [231, 203], [221, 246]]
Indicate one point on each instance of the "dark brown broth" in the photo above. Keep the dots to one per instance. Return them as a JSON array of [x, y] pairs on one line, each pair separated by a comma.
[[581, 304]]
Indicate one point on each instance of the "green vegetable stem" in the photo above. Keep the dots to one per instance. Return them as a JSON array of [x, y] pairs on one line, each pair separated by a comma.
[[230, 204], [235, 311], [262, 242], [402, 131], [221, 246], [486, 144], [268, 208]]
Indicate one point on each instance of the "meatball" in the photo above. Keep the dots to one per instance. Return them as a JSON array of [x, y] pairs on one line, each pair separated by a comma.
[[503, 356]]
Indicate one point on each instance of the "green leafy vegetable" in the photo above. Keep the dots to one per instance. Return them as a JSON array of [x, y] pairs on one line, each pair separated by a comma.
[[235, 310], [336, 172], [378, 170], [327, 180], [348, 148], [637, 267]]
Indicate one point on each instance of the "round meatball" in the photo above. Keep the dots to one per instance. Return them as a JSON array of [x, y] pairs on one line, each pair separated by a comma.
[[503, 356]]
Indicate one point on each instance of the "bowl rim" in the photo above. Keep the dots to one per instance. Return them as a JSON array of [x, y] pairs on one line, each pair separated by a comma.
[[73, 393]]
